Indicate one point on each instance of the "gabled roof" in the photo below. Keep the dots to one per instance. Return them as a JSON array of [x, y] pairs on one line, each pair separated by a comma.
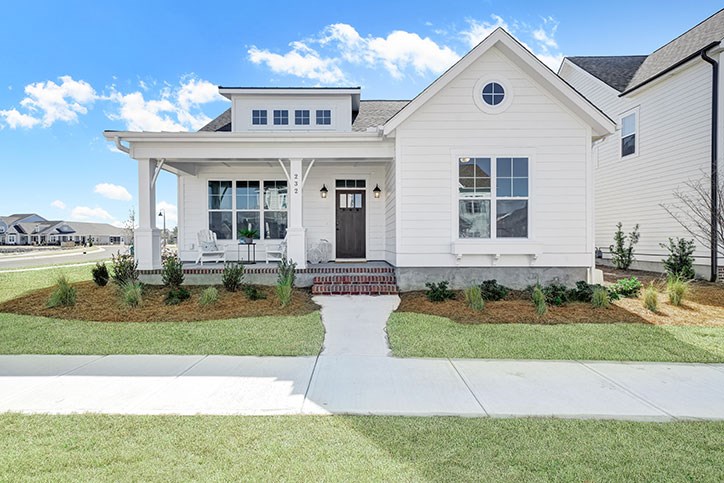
[[600, 123], [371, 114], [615, 71], [685, 46]]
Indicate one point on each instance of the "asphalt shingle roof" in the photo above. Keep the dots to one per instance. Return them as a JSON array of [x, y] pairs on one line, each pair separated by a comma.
[[371, 114], [616, 71]]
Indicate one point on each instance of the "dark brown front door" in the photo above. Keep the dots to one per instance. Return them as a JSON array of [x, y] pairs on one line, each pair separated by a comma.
[[350, 224]]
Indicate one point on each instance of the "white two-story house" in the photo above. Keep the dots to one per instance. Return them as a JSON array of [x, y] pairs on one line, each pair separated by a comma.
[[487, 173], [665, 105]]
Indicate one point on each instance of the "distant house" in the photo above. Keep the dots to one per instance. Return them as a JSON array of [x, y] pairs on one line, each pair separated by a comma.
[[663, 104], [33, 229], [487, 173]]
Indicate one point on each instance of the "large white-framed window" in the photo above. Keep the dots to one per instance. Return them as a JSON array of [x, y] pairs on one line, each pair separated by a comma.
[[496, 209], [630, 133], [255, 204]]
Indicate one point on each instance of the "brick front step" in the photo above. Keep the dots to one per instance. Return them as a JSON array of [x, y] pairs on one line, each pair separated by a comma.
[[354, 289], [354, 279]]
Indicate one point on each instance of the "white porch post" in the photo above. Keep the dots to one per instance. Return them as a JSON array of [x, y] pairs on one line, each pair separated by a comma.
[[296, 233], [147, 239]]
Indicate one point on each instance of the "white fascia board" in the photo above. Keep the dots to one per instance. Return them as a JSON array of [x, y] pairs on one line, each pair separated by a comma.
[[235, 137], [231, 91]]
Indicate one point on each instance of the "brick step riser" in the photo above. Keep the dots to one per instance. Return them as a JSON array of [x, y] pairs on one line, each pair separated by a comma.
[[354, 289], [354, 280]]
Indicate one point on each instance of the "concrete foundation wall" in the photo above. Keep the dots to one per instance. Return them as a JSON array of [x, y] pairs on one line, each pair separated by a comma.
[[702, 271], [513, 277]]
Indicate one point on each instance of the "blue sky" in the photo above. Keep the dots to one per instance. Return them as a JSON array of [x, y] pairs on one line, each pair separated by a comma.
[[69, 70]]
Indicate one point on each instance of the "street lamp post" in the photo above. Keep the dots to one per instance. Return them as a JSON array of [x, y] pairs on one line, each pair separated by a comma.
[[163, 213]]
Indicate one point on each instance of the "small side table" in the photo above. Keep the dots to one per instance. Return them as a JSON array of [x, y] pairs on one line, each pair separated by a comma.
[[250, 253]]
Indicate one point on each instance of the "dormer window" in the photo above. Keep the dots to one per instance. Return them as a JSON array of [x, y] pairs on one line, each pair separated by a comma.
[[281, 117], [258, 117], [301, 117], [324, 117]]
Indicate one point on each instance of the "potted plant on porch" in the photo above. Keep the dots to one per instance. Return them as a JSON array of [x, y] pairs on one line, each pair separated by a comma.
[[248, 234]]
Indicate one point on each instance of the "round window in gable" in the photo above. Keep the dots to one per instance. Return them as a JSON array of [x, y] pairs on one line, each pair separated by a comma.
[[493, 94]]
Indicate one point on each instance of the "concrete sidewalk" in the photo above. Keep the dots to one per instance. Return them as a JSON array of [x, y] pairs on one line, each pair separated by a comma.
[[359, 384]]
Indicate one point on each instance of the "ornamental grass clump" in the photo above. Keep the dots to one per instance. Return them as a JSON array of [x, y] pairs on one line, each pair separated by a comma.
[[539, 300], [600, 298], [232, 276], [208, 297], [131, 294], [285, 281], [64, 294], [677, 289], [474, 298], [100, 274], [651, 298]]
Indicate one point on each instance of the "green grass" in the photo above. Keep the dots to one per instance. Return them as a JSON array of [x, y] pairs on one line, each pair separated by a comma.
[[14, 284], [418, 335], [264, 336], [304, 448]]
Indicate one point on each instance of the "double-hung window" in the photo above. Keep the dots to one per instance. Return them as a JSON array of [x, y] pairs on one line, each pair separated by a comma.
[[629, 126], [324, 117], [221, 209], [493, 210], [259, 205], [301, 117], [281, 117]]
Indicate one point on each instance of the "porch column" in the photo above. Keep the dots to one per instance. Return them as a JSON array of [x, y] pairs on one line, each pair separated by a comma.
[[296, 233], [147, 238]]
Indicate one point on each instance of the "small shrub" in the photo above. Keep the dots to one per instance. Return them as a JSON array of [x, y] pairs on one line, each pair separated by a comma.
[[285, 281], [232, 276], [582, 293], [625, 287], [600, 298], [64, 294], [439, 292], [131, 294], [100, 274], [125, 269], [172, 273], [474, 298], [651, 298], [177, 295], [252, 292], [539, 300], [622, 250], [680, 262], [556, 294], [492, 291], [208, 297], [677, 290]]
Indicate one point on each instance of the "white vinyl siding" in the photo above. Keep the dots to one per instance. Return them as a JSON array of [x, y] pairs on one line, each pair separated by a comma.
[[674, 128]]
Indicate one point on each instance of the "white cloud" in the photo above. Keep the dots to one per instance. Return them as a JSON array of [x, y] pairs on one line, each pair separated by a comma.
[[113, 191], [58, 204], [171, 213], [16, 119], [301, 61], [59, 102], [477, 31], [85, 213]]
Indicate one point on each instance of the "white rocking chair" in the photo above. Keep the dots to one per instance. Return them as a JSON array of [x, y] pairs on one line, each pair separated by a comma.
[[208, 247], [275, 253]]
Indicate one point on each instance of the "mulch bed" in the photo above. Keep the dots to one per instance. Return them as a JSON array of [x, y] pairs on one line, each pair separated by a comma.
[[515, 310], [102, 304]]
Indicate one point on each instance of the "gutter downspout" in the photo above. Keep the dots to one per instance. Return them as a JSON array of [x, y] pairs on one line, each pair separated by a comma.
[[714, 164], [120, 146]]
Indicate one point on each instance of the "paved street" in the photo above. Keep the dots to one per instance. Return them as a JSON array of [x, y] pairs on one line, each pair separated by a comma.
[[57, 257]]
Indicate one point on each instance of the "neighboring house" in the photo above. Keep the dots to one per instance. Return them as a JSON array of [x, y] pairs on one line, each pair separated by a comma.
[[663, 104], [33, 229], [485, 174]]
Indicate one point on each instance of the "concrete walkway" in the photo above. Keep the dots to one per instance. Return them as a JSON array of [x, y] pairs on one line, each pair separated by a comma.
[[355, 375]]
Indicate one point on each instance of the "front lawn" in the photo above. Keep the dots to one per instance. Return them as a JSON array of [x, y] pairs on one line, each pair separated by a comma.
[[335, 448], [300, 335], [13, 284], [424, 335]]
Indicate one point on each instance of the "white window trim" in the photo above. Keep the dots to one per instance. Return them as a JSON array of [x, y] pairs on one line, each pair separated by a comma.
[[234, 210], [266, 117], [291, 107], [489, 245], [637, 134]]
